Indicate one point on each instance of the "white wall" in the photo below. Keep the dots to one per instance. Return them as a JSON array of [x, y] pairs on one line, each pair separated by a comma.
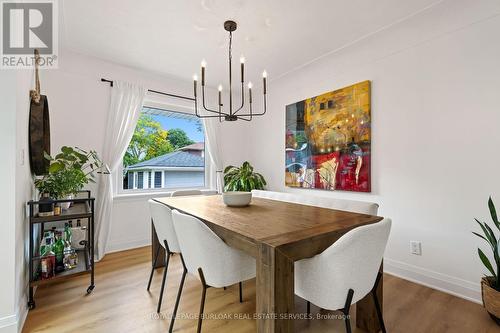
[[7, 200], [435, 115], [16, 190], [78, 111]]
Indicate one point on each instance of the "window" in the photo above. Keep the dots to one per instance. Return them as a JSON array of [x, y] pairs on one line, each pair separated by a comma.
[[167, 151]]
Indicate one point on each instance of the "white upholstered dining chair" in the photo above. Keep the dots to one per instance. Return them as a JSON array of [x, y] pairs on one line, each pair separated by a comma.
[[205, 255], [346, 271], [162, 220], [181, 193]]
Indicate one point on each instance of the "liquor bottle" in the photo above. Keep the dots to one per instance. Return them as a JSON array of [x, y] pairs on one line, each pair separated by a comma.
[[47, 262], [69, 253], [58, 249], [67, 234]]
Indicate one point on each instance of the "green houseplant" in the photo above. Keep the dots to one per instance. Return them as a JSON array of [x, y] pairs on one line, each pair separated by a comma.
[[242, 178], [69, 171], [490, 285]]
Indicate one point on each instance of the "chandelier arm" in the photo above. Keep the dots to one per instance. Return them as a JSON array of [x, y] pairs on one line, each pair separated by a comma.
[[208, 116], [242, 97], [256, 114], [245, 119], [204, 107]]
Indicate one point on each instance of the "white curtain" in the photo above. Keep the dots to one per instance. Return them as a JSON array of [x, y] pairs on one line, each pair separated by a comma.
[[124, 111], [212, 131]]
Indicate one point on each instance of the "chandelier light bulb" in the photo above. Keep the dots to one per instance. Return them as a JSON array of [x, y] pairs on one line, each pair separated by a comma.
[[264, 74], [250, 85], [195, 77], [203, 63], [242, 59], [220, 87]]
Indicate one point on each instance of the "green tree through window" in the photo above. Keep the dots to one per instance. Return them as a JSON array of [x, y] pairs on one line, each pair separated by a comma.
[[178, 138], [149, 140]]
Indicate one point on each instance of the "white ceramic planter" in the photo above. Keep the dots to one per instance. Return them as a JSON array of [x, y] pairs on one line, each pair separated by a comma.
[[237, 199]]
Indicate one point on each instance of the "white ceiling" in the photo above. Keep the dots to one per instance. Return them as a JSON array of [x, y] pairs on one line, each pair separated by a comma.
[[173, 36]]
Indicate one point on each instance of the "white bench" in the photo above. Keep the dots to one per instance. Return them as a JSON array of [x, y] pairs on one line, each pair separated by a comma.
[[362, 207]]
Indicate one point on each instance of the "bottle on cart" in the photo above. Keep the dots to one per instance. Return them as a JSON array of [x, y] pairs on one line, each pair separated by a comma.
[[58, 249], [48, 259], [70, 257], [67, 233]]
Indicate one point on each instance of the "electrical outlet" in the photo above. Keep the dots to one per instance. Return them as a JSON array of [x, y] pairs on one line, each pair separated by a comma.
[[416, 248]]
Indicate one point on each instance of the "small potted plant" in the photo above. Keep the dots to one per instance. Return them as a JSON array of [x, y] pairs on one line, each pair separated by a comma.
[[69, 171], [239, 182], [490, 285]]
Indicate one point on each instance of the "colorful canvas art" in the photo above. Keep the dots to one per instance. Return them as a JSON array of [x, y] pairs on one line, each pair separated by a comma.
[[328, 141]]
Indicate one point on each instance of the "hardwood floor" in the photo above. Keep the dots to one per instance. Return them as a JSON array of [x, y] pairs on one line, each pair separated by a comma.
[[120, 303]]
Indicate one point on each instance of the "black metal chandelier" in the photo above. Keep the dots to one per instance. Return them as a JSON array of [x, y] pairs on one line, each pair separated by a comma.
[[230, 114]]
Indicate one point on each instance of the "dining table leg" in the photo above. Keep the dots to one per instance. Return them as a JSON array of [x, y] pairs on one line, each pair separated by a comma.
[[366, 313], [275, 290]]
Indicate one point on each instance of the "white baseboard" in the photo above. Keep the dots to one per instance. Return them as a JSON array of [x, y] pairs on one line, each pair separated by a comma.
[[8, 324], [14, 323], [442, 282], [22, 313], [127, 245]]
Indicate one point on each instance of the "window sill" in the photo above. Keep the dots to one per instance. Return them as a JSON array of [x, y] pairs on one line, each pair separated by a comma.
[[149, 195]]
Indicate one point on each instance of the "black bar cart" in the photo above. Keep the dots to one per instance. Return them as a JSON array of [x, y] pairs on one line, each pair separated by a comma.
[[81, 208]]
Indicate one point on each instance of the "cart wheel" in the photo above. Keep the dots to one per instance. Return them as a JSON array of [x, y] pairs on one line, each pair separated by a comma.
[[90, 288], [31, 305]]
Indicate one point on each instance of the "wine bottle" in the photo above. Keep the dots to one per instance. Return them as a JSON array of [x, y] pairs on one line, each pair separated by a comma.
[[59, 253]]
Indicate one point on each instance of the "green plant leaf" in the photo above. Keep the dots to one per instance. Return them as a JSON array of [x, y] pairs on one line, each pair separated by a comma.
[[485, 231], [66, 150], [493, 213], [56, 167], [47, 156], [242, 178], [481, 236], [486, 262]]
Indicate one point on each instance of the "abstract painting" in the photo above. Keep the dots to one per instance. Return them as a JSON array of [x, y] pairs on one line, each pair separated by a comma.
[[328, 141]]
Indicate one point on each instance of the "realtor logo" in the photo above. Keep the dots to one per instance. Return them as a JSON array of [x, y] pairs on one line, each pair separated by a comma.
[[27, 26]]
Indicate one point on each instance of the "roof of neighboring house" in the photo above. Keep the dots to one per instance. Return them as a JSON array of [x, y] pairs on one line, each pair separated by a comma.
[[194, 146], [174, 159]]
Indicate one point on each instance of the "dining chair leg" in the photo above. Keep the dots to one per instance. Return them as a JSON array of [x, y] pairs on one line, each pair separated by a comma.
[[377, 304], [346, 309], [308, 309], [203, 295], [177, 300], [153, 268], [225, 288], [241, 292], [164, 277]]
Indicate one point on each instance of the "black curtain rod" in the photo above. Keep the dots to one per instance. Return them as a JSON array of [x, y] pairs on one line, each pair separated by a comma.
[[155, 91]]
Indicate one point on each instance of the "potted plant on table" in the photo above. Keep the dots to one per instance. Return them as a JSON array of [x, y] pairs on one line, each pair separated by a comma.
[[239, 182], [490, 285], [69, 171]]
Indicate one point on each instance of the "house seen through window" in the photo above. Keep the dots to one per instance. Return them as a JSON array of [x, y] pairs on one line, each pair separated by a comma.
[[167, 151]]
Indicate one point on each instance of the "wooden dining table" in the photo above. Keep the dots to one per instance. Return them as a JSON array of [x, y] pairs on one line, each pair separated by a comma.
[[276, 234]]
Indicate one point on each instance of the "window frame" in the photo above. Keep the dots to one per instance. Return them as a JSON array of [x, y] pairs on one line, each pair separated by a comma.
[[119, 191]]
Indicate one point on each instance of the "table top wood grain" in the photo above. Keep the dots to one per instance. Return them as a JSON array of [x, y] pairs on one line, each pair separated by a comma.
[[273, 222]]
